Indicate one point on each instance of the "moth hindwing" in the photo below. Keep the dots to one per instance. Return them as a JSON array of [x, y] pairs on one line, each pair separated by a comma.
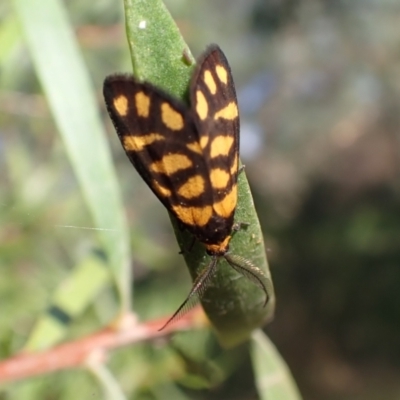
[[188, 156]]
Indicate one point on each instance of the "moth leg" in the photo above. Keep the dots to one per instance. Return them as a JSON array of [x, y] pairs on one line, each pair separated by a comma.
[[190, 247], [237, 226]]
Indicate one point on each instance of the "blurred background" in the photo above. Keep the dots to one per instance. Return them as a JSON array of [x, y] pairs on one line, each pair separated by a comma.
[[319, 90]]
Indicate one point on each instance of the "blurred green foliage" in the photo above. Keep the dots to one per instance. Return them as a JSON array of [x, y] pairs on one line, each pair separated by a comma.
[[320, 141]]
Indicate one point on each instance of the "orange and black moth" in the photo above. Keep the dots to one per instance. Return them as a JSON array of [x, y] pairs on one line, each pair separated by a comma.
[[188, 155]]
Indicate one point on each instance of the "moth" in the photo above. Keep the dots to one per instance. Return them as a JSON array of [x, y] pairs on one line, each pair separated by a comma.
[[188, 155]]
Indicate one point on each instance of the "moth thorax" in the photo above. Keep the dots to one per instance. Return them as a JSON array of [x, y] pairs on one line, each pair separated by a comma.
[[218, 249]]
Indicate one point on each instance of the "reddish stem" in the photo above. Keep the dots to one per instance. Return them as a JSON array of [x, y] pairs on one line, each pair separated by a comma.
[[76, 353]]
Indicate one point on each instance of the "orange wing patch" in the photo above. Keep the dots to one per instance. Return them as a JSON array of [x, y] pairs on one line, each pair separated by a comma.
[[171, 118], [121, 105], [171, 163], [142, 102]]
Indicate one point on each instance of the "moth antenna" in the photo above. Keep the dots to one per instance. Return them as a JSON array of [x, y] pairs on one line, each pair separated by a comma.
[[248, 270], [197, 291]]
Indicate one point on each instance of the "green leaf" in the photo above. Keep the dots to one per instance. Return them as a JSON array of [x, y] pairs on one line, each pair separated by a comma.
[[232, 303], [273, 378], [159, 53], [71, 298], [70, 95], [9, 38], [111, 387]]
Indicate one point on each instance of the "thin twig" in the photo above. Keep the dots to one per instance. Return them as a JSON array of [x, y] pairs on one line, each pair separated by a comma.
[[76, 354]]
